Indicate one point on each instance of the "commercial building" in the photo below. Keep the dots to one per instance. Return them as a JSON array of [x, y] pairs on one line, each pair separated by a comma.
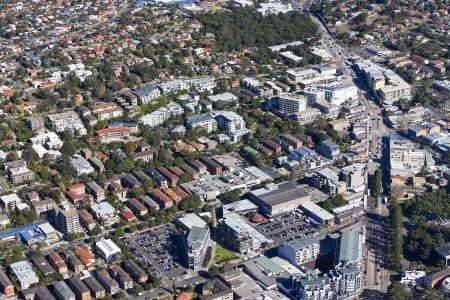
[[235, 233], [108, 249], [23, 271], [196, 244], [346, 281], [190, 220], [405, 157], [338, 94], [301, 251], [354, 175], [350, 248], [277, 199], [327, 180], [317, 213], [312, 287], [388, 86]]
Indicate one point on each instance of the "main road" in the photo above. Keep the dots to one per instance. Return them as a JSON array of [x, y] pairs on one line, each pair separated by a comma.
[[375, 255]]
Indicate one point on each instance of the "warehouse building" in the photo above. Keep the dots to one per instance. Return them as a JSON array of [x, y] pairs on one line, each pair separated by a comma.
[[278, 199]]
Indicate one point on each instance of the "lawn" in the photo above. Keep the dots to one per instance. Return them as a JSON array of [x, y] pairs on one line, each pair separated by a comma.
[[223, 255]]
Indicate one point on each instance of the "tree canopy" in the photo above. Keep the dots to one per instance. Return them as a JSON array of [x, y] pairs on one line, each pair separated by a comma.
[[241, 28]]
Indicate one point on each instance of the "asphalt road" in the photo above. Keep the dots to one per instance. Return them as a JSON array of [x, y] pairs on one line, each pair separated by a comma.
[[375, 260]]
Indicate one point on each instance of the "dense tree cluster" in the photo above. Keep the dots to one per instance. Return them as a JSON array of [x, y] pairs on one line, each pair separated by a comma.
[[332, 202], [241, 28], [423, 233], [395, 237]]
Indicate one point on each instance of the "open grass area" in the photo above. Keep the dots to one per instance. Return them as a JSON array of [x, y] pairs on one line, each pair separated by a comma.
[[223, 255]]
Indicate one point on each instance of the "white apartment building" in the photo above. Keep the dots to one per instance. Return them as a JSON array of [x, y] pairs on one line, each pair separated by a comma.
[[298, 75], [81, 165], [404, 157], [203, 84], [291, 103], [68, 120], [197, 241], [105, 213], [113, 134], [66, 218], [338, 94], [314, 95], [48, 139], [385, 83], [147, 94], [162, 114], [312, 287], [394, 89], [105, 111], [229, 121], [79, 70], [301, 251], [173, 86], [307, 116], [23, 270], [206, 122]]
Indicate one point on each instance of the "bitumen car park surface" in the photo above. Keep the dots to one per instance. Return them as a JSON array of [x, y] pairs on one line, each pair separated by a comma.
[[160, 251], [286, 228]]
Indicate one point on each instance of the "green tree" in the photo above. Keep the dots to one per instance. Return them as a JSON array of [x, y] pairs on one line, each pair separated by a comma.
[[378, 184], [213, 271], [69, 148], [396, 291], [395, 237]]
